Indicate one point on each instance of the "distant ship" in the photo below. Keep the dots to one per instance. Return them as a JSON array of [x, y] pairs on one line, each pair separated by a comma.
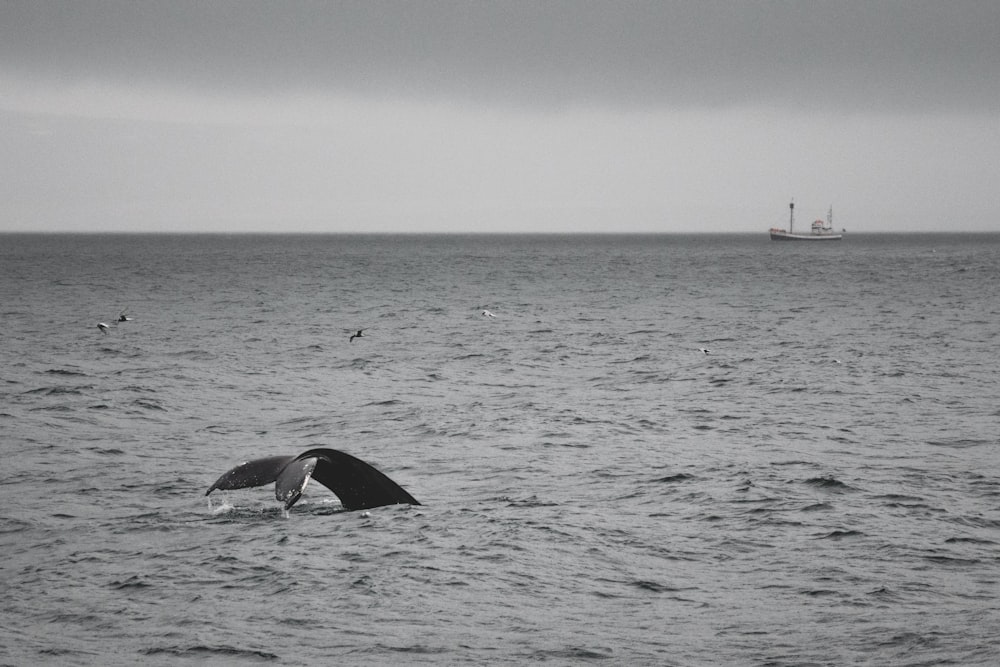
[[821, 231]]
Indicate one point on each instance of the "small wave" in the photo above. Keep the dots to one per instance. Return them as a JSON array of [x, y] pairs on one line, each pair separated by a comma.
[[138, 389], [107, 451], [896, 498], [419, 649], [193, 355], [216, 428], [224, 508], [60, 652], [670, 479], [961, 443], [533, 501], [571, 445], [820, 592], [642, 358], [828, 484], [207, 652], [793, 462], [840, 535], [816, 507], [653, 586], [882, 592], [305, 420], [951, 560], [63, 371], [8, 526], [53, 408], [58, 391], [968, 540], [132, 582], [574, 654]]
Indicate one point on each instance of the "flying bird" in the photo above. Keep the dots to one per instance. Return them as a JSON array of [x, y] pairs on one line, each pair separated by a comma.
[[357, 484], [487, 313], [704, 350], [358, 334], [103, 327], [122, 318]]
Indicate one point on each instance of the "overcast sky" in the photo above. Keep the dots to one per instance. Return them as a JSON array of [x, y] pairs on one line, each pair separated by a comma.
[[561, 116]]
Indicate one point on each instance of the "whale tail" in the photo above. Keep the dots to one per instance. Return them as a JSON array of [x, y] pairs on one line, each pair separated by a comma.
[[293, 479], [358, 485], [252, 473]]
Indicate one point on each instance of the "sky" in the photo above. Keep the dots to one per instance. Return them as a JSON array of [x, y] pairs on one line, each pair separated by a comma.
[[471, 116]]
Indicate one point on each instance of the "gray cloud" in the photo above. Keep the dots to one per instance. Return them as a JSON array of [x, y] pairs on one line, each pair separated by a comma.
[[561, 115], [912, 55]]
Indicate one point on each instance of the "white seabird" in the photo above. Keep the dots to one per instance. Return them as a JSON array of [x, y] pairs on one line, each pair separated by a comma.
[[704, 350], [103, 327], [487, 313]]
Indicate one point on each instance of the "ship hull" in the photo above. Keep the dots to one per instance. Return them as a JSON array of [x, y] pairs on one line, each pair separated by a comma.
[[786, 236]]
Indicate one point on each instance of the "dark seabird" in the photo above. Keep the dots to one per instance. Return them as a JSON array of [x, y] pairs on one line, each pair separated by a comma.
[[356, 335], [357, 484], [704, 350], [122, 318]]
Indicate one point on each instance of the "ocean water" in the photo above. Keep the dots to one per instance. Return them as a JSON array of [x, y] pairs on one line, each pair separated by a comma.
[[821, 488]]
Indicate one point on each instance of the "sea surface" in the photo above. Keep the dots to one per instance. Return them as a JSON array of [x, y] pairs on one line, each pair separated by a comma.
[[821, 488]]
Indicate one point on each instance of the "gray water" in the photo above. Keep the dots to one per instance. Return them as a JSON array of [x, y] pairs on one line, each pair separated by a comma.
[[820, 488]]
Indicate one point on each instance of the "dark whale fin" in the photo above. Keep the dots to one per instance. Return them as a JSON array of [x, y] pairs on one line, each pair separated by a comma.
[[293, 479], [252, 473], [357, 484]]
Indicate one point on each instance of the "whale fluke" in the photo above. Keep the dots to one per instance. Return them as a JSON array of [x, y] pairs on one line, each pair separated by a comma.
[[357, 484], [293, 479], [252, 473]]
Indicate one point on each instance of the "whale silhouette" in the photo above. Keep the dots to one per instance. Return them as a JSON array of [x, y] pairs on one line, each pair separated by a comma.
[[357, 484]]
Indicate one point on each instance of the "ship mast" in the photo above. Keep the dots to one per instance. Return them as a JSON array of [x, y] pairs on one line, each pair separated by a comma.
[[791, 216]]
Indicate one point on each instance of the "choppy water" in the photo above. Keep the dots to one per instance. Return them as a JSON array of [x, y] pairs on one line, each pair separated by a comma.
[[822, 488]]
